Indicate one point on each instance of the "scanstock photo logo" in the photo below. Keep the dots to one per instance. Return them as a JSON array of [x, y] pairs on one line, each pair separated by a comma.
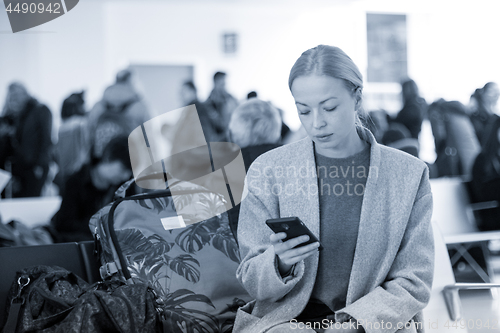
[[176, 153], [26, 14]]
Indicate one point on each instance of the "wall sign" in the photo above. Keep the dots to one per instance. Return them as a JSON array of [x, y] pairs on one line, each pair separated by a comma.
[[387, 50], [230, 43]]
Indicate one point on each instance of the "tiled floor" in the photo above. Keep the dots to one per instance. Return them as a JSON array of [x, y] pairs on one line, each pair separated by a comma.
[[481, 308], [481, 312]]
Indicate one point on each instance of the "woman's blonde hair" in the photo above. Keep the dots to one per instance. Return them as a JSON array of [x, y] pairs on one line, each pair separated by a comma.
[[332, 61], [255, 122]]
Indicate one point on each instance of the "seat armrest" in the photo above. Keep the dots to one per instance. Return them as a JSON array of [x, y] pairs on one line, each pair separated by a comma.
[[452, 299], [484, 205]]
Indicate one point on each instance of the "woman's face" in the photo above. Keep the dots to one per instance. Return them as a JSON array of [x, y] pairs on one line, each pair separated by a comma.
[[327, 110]]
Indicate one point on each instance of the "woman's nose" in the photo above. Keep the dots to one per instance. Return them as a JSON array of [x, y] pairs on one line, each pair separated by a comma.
[[318, 120]]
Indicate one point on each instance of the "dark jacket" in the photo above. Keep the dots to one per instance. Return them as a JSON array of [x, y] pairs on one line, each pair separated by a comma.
[[33, 140], [211, 124], [29, 148], [80, 201], [480, 120], [412, 115]]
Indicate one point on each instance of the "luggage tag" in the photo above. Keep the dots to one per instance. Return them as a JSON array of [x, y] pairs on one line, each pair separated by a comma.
[[173, 222]]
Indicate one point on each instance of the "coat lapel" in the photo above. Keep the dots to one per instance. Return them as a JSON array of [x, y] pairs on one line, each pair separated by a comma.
[[310, 186], [303, 201], [368, 233]]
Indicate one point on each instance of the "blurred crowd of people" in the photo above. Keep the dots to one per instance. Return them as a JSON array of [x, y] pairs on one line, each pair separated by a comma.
[[92, 148], [466, 140]]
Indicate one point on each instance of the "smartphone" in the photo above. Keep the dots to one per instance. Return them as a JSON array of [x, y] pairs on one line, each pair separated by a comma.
[[293, 227]]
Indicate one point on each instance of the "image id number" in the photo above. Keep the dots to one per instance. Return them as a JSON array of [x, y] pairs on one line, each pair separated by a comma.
[[34, 8], [472, 324]]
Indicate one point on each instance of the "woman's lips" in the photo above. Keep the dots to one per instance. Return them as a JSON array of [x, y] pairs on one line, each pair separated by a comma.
[[324, 137]]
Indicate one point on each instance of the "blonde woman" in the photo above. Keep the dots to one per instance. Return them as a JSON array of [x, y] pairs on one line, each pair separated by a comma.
[[369, 205]]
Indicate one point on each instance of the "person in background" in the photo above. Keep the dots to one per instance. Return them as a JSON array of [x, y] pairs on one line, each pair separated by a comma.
[[119, 112], [212, 128], [486, 179], [455, 141], [255, 126], [72, 148], [90, 189], [399, 137], [491, 93], [474, 101], [252, 94], [486, 107], [286, 132], [378, 123], [477, 114], [414, 108], [26, 132], [221, 102]]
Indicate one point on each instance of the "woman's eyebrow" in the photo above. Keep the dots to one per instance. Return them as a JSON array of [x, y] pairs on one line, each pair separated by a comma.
[[326, 100]]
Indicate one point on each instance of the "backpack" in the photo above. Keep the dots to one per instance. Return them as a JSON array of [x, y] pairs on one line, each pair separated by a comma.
[[113, 122], [180, 242]]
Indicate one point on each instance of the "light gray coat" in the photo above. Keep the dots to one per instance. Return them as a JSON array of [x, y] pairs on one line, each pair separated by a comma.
[[394, 258]]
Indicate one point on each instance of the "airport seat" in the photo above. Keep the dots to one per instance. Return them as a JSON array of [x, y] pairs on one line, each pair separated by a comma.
[[90, 261], [454, 214], [75, 257], [444, 309], [30, 211]]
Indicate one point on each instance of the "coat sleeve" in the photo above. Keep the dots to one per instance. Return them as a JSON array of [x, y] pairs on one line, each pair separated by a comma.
[[258, 270], [407, 288]]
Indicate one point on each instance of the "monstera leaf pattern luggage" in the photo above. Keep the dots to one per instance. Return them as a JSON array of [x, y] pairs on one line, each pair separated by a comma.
[[192, 267]]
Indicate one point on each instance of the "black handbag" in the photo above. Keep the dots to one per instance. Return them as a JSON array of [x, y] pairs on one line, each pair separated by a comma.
[[52, 299]]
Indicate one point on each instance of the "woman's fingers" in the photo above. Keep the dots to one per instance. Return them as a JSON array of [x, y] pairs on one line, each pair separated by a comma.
[[299, 251], [293, 256], [291, 243], [276, 238], [296, 257], [289, 253]]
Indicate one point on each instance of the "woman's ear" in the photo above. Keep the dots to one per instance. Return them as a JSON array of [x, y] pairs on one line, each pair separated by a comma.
[[358, 98]]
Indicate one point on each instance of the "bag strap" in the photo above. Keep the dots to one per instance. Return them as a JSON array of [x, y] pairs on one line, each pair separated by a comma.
[[16, 304], [122, 191], [15, 309], [111, 220]]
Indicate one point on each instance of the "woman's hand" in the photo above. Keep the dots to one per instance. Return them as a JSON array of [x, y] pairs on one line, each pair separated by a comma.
[[287, 255]]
